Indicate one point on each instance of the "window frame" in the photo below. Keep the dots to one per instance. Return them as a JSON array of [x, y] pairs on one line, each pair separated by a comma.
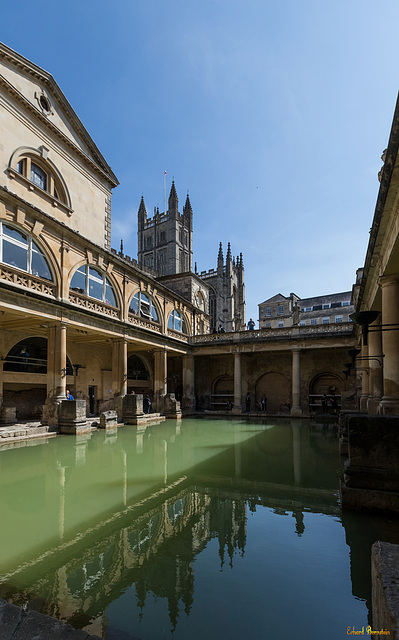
[[177, 317], [29, 245], [84, 270], [143, 314]]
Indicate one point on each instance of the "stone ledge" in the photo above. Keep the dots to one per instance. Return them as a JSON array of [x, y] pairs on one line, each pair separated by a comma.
[[18, 624]]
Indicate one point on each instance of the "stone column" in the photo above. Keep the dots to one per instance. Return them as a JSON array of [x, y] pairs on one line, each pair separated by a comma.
[[237, 384], [160, 375], [390, 344], [56, 361], [375, 367], [364, 368], [296, 383], [119, 367], [56, 373], [188, 400]]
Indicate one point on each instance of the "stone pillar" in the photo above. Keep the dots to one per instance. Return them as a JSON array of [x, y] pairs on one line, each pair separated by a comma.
[[237, 384], [188, 400], [119, 368], [160, 375], [375, 367], [364, 368], [56, 373], [296, 383], [390, 344]]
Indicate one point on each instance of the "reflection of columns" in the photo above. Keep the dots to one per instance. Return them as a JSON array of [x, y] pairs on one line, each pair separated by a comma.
[[188, 400], [1, 382], [237, 383], [160, 375], [119, 367], [365, 377], [390, 342], [124, 466], [61, 515], [375, 368], [237, 455], [56, 361], [296, 449], [296, 383]]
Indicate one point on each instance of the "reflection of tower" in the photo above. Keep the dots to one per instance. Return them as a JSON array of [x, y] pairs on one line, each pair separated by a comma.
[[299, 523]]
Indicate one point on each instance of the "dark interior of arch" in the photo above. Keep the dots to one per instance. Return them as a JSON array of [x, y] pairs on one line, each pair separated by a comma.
[[30, 356], [136, 369]]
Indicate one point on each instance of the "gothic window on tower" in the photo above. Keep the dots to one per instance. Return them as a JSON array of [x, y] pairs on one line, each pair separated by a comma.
[[149, 260], [142, 305]]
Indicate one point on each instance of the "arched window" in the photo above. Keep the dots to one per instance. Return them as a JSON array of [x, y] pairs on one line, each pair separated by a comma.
[[30, 356], [142, 305], [36, 170], [177, 322], [136, 369], [94, 283], [18, 249]]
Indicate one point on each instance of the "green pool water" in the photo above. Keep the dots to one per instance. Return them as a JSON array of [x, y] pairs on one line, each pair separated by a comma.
[[197, 529]]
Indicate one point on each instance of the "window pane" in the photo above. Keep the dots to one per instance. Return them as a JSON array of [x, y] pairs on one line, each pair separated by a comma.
[[39, 265], [154, 314], [95, 289], [78, 282], [109, 295], [170, 321], [13, 233], [93, 273], [134, 304], [14, 255], [20, 167], [183, 326], [37, 176], [177, 321]]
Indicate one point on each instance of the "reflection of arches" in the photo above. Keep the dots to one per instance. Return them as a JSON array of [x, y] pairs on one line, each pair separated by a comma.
[[277, 389], [136, 369], [30, 356]]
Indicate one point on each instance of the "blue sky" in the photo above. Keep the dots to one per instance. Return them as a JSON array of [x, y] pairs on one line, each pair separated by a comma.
[[272, 115]]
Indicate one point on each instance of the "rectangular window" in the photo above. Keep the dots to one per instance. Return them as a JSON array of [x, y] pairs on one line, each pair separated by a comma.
[[346, 303], [313, 320], [268, 324], [280, 324], [325, 306], [307, 309], [338, 318], [280, 310], [268, 312], [302, 323], [326, 320]]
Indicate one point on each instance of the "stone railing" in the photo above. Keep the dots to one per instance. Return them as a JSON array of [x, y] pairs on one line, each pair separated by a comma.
[[286, 333], [177, 335], [35, 283], [91, 304], [137, 321]]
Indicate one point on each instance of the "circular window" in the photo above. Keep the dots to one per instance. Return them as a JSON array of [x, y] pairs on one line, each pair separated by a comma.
[[44, 103]]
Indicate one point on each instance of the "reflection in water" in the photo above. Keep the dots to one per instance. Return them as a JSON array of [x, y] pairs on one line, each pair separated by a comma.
[[185, 530]]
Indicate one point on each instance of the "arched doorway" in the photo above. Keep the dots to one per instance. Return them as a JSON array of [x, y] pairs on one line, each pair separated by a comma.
[[222, 392], [328, 384], [277, 390]]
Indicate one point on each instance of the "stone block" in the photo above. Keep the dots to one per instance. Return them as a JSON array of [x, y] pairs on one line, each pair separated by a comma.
[[10, 617], [172, 406], [385, 587], [108, 419], [72, 417], [132, 407], [8, 415]]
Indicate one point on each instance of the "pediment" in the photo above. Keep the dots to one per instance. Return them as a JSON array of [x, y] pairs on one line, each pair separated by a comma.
[[37, 91], [277, 298]]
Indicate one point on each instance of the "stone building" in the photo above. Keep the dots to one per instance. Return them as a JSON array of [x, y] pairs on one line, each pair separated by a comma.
[[280, 311], [76, 314]]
